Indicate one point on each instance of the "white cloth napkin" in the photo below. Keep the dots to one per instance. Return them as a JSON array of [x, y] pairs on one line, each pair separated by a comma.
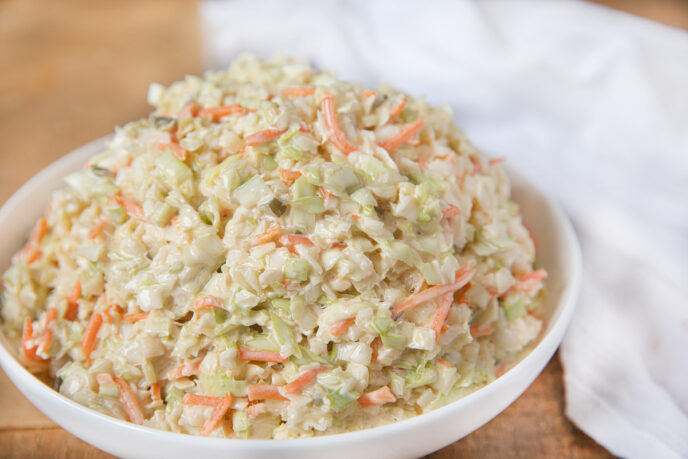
[[592, 104]]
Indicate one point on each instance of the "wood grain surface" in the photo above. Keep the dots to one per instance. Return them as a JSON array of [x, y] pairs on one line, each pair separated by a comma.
[[71, 70]]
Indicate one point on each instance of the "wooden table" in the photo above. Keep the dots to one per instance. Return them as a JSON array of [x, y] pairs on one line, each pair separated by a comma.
[[74, 69]]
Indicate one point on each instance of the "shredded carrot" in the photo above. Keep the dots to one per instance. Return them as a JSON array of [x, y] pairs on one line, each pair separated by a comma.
[[218, 413], [72, 302], [303, 127], [190, 109], [133, 317], [398, 109], [462, 299], [39, 231], [174, 221], [178, 150], [33, 254], [133, 209], [267, 235], [434, 292], [477, 332], [441, 314], [27, 335], [225, 110], [495, 161], [529, 281], [88, 342], [201, 400], [289, 176], [356, 217], [31, 251], [260, 137], [443, 362], [50, 315], [256, 410], [208, 301], [155, 392], [304, 379], [264, 392], [184, 370], [339, 245], [297, 91], [377, 397], [451, 211], [105, 379], [368, 93], [46, 341], [261, 356], [295, 239], [341, 326], [477, 166], [130, 402], [500, 369], [375, 345], [404, 135], [97, 228], [325, 192], [330, 117]]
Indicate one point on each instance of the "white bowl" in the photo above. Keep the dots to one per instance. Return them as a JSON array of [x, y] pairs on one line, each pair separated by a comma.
[[559, 253]]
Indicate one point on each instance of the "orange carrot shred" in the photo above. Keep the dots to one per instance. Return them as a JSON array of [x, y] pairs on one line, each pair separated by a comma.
[[190, 109], [325, 192], [377, 397], [398, 109], [404, 135], [208, 301], [495, 161], [264, 392], [225, 110], [133, 317], [155, 392], [130, 402], [201, 400], [477, 332], [295, 239], [441, 314], [303, 127], [297, 91], [330, 117], [218, 413], [97, 228], [289, 176], [185, 370], [268, 235], [88, 341], [304, 379], [368, 93], [72, 302], [462, 278], [261, 356], [133, 209], [530, 281], [451, 211], [178, 150], [27, 335], [341, 326], [260, 137]]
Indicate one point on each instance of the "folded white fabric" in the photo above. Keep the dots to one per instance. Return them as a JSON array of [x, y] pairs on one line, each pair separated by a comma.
[[590, 103]]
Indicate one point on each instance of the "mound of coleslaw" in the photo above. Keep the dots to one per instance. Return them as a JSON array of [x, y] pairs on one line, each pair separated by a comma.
[[275, 253]]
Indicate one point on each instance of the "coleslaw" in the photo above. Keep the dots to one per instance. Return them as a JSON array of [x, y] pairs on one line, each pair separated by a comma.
[[276, 253]]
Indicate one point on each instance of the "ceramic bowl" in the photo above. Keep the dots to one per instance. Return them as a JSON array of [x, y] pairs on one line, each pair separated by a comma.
[[558, 253]]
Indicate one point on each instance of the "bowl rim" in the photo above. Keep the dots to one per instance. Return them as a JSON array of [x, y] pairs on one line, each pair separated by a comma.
[[549, 342]]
